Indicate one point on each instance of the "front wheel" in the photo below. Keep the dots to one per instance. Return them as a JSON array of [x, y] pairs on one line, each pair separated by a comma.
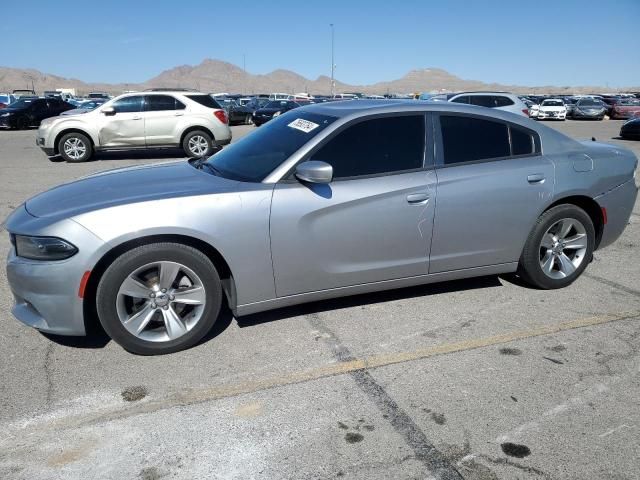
[[197, 144], [75, 147], [248, 120], [159, 298], [558, 248]]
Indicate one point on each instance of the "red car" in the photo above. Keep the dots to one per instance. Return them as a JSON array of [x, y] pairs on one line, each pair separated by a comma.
[[625, 108]]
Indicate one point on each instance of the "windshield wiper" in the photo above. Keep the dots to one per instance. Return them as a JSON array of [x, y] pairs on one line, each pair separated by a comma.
[[201, 163]]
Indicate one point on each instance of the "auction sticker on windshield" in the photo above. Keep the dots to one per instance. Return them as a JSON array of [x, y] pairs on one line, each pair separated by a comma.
[[303, 125]]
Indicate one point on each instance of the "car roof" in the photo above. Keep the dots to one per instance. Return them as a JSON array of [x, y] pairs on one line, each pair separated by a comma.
[[352, 109]]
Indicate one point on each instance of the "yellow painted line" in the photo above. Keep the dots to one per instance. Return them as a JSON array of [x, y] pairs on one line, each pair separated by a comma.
[[195, 396]]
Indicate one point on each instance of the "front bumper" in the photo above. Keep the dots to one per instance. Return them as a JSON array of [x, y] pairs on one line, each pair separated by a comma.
[[619, 204], [46, 293], [548, 116]]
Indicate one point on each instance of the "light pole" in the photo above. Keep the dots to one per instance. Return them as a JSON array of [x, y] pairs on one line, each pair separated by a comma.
[[333, 65]]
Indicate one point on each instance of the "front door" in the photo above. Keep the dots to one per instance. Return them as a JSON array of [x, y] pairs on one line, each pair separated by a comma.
[[125, 127], [372, 223]]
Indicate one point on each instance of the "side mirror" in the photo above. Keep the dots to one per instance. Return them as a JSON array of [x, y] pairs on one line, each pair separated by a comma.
[[314, 171], [108, 111]]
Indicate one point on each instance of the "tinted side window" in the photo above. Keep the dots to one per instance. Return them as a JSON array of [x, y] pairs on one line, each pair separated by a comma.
[[465, 139], [381, 145], [521, 142], [159, 103], [462, 99], [128, 104], [503, 101], [204, 100], [484, 101]]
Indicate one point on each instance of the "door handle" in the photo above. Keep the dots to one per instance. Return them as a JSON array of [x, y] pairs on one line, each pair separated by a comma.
[[137, 118], [536, 178], [179, 114], [417, 198]]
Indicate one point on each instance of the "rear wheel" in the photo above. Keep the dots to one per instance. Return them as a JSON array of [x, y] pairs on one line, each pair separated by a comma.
[[75, 147], [559, 248], [248, 120], [159, 298], [197, 144]]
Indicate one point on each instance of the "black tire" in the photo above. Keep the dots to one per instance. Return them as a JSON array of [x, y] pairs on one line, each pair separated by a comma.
[[248, 120], [188, 147], [82, 141], [128, 262], [529, 267], [22, 123]]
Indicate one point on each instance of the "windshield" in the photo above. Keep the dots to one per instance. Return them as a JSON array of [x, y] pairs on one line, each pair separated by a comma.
[[553, 103], [4, 99], [589, 102], [259, 153], [23, 102], [276, 104]]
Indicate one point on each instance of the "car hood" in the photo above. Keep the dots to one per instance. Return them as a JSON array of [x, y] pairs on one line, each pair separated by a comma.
[[552, 108], [12, 110], [124, 186]]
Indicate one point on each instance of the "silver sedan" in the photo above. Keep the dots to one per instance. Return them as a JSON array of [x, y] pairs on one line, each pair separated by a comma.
[[324, 201]]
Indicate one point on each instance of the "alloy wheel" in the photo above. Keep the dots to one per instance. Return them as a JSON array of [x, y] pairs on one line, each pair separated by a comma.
[[198, 145], [161, 301], [563, 248], [74, 148]]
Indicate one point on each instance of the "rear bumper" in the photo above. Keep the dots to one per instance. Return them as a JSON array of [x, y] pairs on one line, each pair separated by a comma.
[[619, 204]]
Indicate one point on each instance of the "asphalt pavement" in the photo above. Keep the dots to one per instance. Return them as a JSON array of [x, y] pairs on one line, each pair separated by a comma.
[[475, 379]]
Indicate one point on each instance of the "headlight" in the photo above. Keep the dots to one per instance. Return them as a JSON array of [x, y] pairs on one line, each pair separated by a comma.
[[5, 115], [43, 248], [276, 114]]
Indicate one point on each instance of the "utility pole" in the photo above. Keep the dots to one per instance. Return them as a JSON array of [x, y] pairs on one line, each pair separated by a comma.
[[244, 70], [333, 65]]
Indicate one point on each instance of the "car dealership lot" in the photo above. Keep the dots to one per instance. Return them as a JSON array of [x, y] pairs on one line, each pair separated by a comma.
[[440, 379]]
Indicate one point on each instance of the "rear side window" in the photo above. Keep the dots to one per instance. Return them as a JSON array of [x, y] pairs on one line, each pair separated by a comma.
[[158, 103], [204, 100], [503, 101], [484, 101], [128, 104], [522, 142], [377, 146], [467, 139]]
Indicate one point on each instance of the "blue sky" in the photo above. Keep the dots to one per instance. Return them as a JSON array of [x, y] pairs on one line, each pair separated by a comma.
[[561, 42]]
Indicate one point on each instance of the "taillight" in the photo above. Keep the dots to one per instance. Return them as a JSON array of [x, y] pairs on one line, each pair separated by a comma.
[[525, 111], [221, 115]]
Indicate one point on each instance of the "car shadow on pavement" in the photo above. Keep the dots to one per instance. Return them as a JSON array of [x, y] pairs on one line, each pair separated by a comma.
[[369, 299], [155, 154]]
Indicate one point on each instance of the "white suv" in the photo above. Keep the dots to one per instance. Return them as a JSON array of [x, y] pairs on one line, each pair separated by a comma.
[[191, 120], [499, 100]]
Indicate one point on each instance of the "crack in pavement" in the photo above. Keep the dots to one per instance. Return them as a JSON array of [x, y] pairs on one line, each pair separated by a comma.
[[401, 422], [48, 373], [613, 284]]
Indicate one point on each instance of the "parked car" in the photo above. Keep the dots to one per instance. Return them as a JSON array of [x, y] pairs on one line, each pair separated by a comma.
[[7, 99], [631, 129], [552, 108], [256, 103], [237, 113], [279, 218], [499, 100], [99, 95], [191, 120], [85, 106], [29, 112], [533, 108], [271, 110], [625, 108], [24, 93], [570, 103], [588, 108]]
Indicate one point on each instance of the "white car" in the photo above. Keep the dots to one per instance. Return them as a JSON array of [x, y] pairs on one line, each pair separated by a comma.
[[498, 100], [552, 108], [191, 120]]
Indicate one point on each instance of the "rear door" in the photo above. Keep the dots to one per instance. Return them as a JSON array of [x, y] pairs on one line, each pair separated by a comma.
[[372, 223], [126, 126], [162, 113], [493, 183]]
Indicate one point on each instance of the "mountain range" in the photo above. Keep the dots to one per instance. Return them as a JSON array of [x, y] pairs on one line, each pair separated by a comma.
[[218, 76]]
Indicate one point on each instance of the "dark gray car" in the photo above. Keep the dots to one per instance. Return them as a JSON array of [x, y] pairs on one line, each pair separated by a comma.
[[324, 201]]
